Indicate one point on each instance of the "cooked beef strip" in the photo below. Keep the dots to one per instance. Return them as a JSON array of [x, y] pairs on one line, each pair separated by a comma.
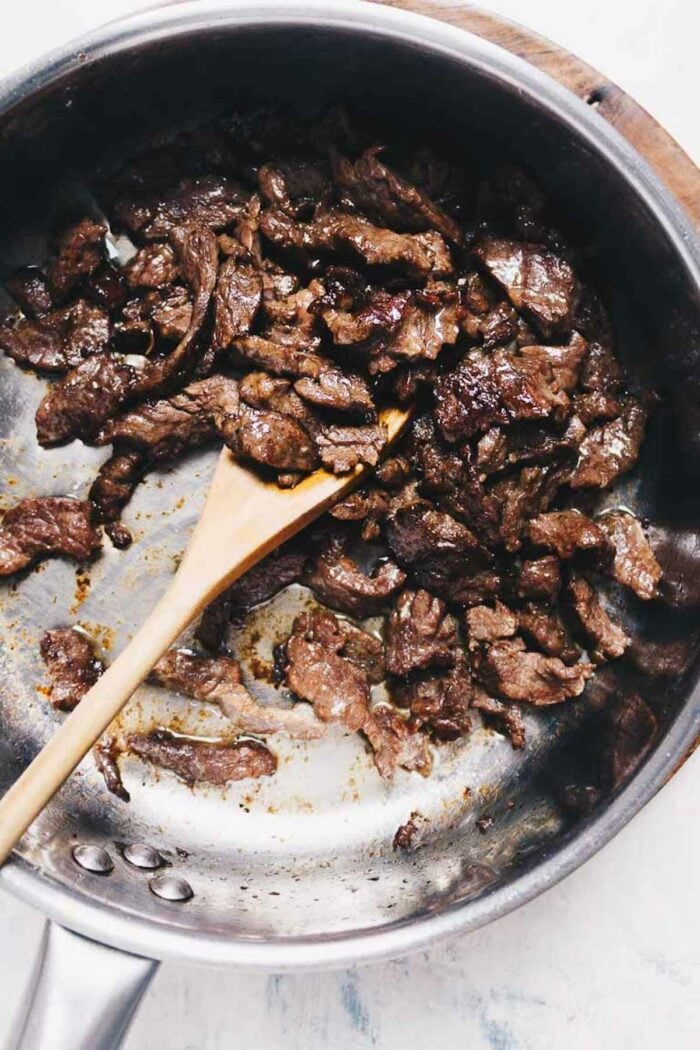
[[439, 702], [337, 580], [494, 388], [549, 632], [277, 358], [217, 680], [112, 489], [73, 668], [316, 670], [515, 674], [153, 266], [338, 391], [565, 532], [601, 372], [369, 506], [37, 528], [214, 201], [566, 362], [611, 449], [507, 717], [106, 754], [271, 439], [342, 448], [536, 281], [237, 300], [396, 743], [29, 288], [428, 323], [608, 639], [58, 340], [540, 578], [485, 624], [107, 288], [418, 254], [595, 406], [80, 252], [172, 315], [634, 564], [524, 495], [497, 328], [198, 762], [419, 633], [388, 199]]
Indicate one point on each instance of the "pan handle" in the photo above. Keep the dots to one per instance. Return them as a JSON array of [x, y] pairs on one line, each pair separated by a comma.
[[82, 995]]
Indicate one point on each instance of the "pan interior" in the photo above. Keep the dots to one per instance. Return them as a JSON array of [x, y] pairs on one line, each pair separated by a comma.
[[308, 852]]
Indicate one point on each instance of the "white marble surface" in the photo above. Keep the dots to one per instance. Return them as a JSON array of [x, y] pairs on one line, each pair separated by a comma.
[[608, 959]]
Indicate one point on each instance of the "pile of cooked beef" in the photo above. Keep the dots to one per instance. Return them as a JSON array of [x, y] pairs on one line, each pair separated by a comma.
[[272, 286]]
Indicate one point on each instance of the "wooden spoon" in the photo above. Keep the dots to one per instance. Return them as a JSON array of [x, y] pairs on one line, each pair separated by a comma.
[[244, 518]]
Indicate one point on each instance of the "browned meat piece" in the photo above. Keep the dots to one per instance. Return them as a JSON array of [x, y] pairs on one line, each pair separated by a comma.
[[106, 287], [214, 201], [634, 564], [317, 671], [549, 633], [80, 252], [278, 570], [593, 407], [355, 312], [601, 373], [396, 744], [73, 667], [338, 581], [565, 532], [536, 281], [439, 702], [419, 633], [419, 254], [507, 718], [342, 448], [388, 199], [540, 578], [271, 439], [515, 674], [611, 449], [293, 185], [152, 267], [566, 362], [59, 340], [406, 833], [428, 323], [37, 528], [217, 680], [608, 639], [496, 388], [273, 394], [236, 301], [338, 391], [394, 472], [172, 315], [633, 726], [523, 496], [199, 762], [106, 754], [529, 442], [30, 290], [498, 327], [486, 624], [279, 359], [369, 506], [112, 489], [168, 427]]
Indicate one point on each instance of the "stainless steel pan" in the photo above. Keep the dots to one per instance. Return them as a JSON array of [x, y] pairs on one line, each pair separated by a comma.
[[299, 872]]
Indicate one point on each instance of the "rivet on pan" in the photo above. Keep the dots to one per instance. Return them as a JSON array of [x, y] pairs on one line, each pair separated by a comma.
[[141, 855], [171, 888], [93, 858]]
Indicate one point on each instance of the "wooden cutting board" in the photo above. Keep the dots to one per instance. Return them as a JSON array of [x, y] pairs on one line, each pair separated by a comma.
[[662, 152]]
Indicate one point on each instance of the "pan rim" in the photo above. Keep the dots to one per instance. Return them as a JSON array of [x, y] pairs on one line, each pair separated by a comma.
[[146, 936]]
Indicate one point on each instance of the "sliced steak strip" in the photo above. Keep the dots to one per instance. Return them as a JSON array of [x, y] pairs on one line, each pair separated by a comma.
[[507, 718], [337, 580], [80, 252], [566, 362], [342, 448], [611, 449], [277, 358], [271, 439], [536, 281], [419, 633], [237, 300], [540, 578], [59, 340], [199, 762], [515, 674], [609, 640], [217, 680], [634, 564], [524, 495], [439, 702], [106, 754], [396, 744], [339, 392], [37, 528], [389, 199], [485, 624], [549, 633], [565, 532], [73, 668], [428, 323], [112, 489], [29, 288], [152, 267]]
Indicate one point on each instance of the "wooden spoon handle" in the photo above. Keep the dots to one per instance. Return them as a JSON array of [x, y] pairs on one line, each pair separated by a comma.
[[84, 726]]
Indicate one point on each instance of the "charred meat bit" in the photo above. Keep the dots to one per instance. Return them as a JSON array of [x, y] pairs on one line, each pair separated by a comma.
[[152, 267], [106, 754], [199, 762], [406, 833], [73, 668], [609, 640], [38, 528], [634, 564], [420, 633]]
